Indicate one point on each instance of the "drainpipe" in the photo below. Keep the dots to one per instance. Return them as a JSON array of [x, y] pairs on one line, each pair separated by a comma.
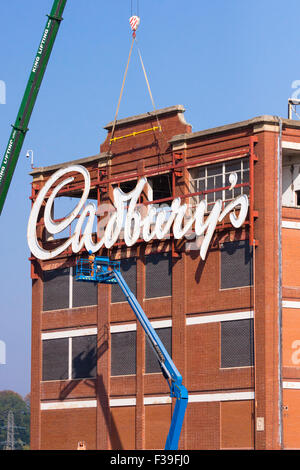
[[279, 203]]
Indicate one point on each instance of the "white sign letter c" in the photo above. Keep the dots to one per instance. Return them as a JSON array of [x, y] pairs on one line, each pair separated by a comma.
[[50, 225]]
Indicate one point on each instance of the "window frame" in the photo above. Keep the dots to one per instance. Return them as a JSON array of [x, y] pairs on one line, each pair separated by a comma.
[[194, 187], [158, 327], [130, 329], [223, 289], [146, 298], [136, 281], [69, 337], [65, 340], [70, 293], [252, 355]]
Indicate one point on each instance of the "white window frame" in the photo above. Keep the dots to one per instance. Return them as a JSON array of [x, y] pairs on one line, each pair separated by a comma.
[[69, 334], [195, 182]]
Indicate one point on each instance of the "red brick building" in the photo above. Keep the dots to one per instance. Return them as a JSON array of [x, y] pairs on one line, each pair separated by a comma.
[[230, 320]]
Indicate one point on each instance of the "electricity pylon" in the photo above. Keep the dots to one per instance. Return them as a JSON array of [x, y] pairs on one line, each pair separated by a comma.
[[10, 433]]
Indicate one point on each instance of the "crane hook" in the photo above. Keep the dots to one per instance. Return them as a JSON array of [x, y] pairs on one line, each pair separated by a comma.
[[134, 24]]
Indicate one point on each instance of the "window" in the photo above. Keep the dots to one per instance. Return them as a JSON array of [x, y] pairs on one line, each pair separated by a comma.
[[236, 264], [84, 356], [128, 270], [61, 290], [158, 275], [56, 289], [126, 187], [55, 359], [70, 358], [152, 364], [160, 187], [83, 293], [123, 353], [210, 177], [237, 343], [291, 180]]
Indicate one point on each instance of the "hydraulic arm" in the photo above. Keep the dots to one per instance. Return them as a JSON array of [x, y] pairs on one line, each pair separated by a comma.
[[19, 130], [108, 272]]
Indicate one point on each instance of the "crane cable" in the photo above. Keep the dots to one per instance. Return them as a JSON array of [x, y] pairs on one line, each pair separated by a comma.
[[121, 93], [137, 8], [134, 23], [148, 85]]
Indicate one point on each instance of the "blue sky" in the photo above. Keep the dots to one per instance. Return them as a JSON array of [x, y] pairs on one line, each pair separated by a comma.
[[224, 60]]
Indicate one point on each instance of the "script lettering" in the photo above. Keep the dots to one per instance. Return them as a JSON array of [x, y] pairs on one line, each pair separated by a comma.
[[128, 219]]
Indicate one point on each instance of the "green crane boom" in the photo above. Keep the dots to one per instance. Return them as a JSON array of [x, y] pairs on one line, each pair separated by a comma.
[[20, 128]]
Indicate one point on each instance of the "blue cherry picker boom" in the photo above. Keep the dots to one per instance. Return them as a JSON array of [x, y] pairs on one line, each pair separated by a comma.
[[105, 271]]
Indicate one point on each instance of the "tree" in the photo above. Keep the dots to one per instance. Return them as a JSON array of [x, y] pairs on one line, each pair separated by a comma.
[[12, 401]]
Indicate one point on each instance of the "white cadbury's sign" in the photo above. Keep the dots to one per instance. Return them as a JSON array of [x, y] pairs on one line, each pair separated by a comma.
[[129, 220]]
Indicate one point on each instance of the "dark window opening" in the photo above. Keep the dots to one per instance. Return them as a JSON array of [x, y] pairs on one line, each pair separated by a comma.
[[84, 293], [297, 197], [128, 186], [55, 359], [123, 353], [236, 264], [128, 271], [62, 291], [58, 352], [56, 289], [237, 345], [161, 187], [84, 357], [158, 275], [152, 364]]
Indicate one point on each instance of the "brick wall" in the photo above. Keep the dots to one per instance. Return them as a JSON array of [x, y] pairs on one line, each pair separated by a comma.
[[225, 401]]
